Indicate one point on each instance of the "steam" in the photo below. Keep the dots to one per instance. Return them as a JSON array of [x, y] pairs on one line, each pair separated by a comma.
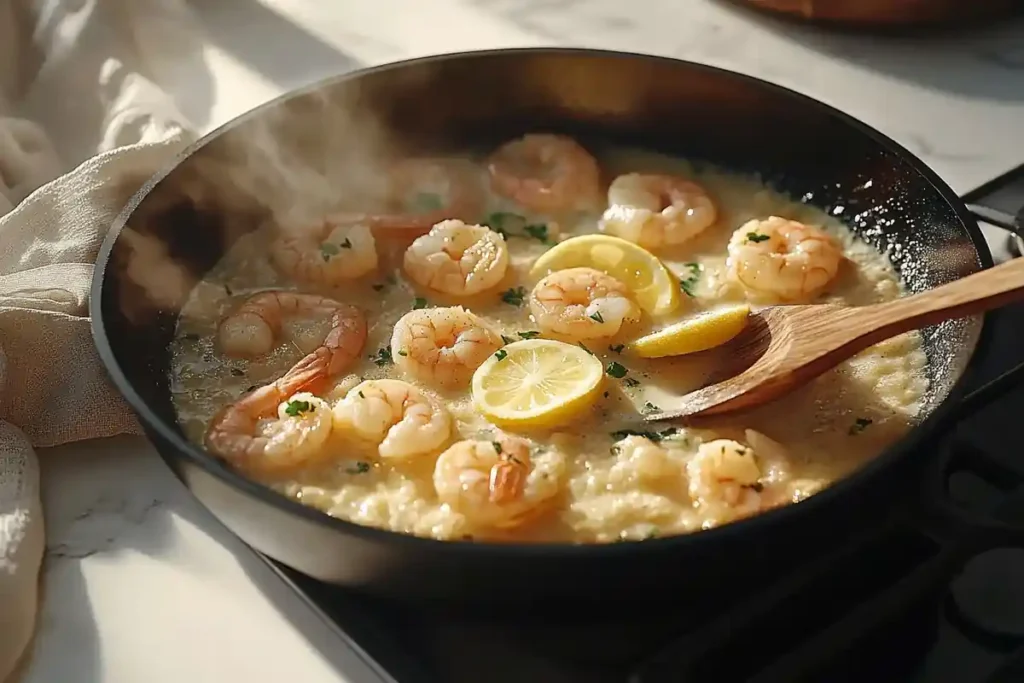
[[285, 168]]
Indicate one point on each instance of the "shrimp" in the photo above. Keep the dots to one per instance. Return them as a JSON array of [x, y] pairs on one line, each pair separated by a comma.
[[247, 435], [457, 259], [252, 329], [396, 416], [724, 477], [442, 345], [426, 191], [549, 174], [582, 303], [496, 483], [336, 251], [783, 260], [657, 211]]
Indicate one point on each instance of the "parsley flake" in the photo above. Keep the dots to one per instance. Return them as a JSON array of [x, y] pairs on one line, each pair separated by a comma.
[[631, 382], [617, 348], [500, 354], [757, 237], [383, 357], [418, 303], [507, 339], [597, 317], [529, 334], [616, 370], [514, 296], [539, 232], [296, 408], [403, 353], [689, 283], [583, 346], [359, 468], [859, 425], [497, 447]]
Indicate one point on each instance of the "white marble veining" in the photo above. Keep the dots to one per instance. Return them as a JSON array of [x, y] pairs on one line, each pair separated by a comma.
[[140, 583]]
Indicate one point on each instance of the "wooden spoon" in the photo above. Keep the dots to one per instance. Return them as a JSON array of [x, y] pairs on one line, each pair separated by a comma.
[[783, 347]]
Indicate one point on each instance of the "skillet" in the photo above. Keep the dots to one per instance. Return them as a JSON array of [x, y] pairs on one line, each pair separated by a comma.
[[227, 183]]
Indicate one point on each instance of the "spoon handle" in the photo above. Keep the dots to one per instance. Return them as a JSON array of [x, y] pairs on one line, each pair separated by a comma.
[[977, 293]]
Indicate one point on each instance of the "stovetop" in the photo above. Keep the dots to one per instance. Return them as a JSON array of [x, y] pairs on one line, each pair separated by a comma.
[[921, 600]]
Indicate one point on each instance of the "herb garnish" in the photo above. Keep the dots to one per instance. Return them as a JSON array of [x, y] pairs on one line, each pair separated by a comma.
[[650, 407], [539, 232], [582, 346], [597, 317], [616, 370], [296, 408], [859, 425], [689, 283], [507, 339], [529, 334], [617, 348], [757, 237], [359, 468], [631, 382], [383, 357], [653, 436], [497, 447], [500, 354], [514, 296], [403, 353], [418, 303]]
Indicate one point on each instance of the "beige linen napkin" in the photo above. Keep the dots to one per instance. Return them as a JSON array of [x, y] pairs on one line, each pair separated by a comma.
[[52, 386]]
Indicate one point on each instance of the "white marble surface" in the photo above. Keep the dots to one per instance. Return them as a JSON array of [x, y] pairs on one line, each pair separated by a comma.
[[140, 583]]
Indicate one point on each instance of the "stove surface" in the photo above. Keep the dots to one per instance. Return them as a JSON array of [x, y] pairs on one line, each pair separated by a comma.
[[926, 598]]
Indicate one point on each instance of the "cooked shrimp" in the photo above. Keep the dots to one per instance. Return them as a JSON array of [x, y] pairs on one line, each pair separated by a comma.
[[253, 329], [456, 258], [657, 211], [442, 345], [724, 475], [496, 483], [329, 254], [247, 435], [426, 191], [402, 420], [549, 174], [582, 303], [783, 260]]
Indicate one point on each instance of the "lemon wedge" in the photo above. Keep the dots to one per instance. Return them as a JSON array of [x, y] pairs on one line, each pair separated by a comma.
[[655, 289], [701, 332], [537, 383]]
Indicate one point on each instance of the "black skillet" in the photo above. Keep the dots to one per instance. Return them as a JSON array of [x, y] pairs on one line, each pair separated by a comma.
[[213, 193]]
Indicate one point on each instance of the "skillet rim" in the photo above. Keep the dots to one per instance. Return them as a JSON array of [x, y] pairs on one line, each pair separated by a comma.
[[845, 486]]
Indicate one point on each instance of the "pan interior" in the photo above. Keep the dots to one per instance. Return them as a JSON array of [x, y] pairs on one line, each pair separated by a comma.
[[300, 151]]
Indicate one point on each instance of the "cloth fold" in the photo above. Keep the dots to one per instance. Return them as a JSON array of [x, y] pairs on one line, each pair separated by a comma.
[[53, 388]]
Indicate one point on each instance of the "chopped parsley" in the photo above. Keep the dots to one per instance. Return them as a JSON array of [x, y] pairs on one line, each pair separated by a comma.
[[500, 354], [360, 467], [499, 220], [617, 348], [383, 357], [507, 339], [403, 353], [631, 382], [757, 237], [296, 408], [427, 201], [859, 425], [689, 283], [238, 372], [514, 296], [597, 317], [652, 436], [539, 232], [650, 407], [418, 303], [497, 447], [529, 334], [583, 346], [361, 394], [616, 370]]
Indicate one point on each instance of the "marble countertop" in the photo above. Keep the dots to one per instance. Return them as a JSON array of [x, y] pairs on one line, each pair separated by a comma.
[[140, 583]]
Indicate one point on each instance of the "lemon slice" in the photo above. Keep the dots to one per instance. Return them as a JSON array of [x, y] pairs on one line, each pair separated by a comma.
[[701, 332], [655, 289], [536, 383]]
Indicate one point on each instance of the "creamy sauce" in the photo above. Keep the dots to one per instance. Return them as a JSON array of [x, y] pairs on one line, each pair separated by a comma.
[[612, 487]]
